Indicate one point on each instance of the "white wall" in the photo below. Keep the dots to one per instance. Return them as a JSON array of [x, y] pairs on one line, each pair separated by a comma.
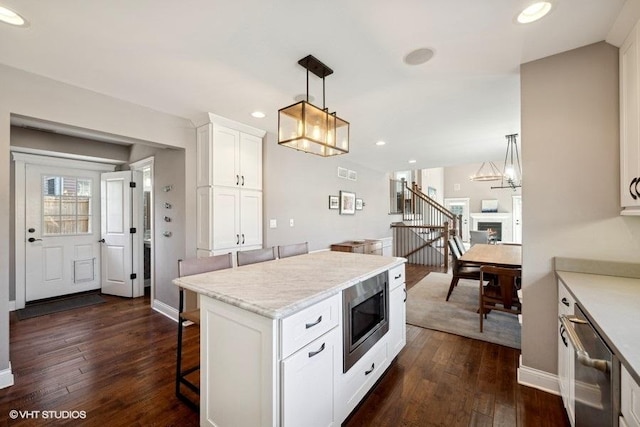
[[39, 97], [457, 184], [433, 178], [297, 186], [570, 149]]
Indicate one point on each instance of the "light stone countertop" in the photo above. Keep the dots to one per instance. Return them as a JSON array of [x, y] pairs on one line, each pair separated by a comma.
[[279, 288], [613, 305]]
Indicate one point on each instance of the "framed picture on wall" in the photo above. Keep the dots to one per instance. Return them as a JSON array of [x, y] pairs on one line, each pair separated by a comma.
[[334, 202], [359, 204], [347, 203]]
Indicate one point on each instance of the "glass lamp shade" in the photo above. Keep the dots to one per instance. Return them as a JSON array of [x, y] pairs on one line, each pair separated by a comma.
[[307, 128]]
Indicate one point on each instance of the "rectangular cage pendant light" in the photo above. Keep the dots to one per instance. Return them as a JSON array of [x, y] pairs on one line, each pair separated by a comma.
[[311, 129]]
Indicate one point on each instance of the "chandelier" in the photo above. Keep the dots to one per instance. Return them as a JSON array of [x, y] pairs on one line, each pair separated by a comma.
[[512, 171], [311, 129], [488, 171]]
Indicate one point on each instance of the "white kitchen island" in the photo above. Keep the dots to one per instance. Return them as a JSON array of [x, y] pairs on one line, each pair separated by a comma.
[[271, 344]]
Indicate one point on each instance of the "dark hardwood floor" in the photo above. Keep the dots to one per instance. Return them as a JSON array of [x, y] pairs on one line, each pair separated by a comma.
[[116, 362]]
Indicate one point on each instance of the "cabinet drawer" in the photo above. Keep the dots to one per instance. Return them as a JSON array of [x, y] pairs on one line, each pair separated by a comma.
[[355, 384], [396, 276], [629, 399], [301, 328]]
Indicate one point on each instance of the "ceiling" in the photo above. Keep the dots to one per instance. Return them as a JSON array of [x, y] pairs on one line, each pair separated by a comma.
[[234, 57]]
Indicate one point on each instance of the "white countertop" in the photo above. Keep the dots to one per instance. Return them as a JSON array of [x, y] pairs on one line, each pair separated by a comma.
[[279, 288], [613, 304]]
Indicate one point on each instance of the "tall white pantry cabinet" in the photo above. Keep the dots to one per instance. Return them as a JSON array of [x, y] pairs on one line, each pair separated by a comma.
[[229, 186]]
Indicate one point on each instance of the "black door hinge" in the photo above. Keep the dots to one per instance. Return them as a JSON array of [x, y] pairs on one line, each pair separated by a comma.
[[132, 230], [133, 276], [132, 184]]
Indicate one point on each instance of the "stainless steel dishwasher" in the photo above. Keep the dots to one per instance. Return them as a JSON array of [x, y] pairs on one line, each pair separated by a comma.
[[596, 374]]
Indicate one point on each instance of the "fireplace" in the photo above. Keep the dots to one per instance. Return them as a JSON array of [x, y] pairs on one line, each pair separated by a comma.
[[498, 221], [491, 226]]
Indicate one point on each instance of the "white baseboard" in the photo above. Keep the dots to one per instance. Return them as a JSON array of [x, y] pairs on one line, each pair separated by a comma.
[[12, 305], [538, 379], [165, 309], [6, 377]]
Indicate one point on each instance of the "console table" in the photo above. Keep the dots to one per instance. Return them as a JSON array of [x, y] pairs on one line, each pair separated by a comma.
[[367, 246]]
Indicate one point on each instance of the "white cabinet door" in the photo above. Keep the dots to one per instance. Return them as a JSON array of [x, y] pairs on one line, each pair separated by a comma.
[[226, 218], [307, 383], [250, 218], [629, 399], [250, 162], [566, 354], [397, 322], [226, 156], [630, 121]]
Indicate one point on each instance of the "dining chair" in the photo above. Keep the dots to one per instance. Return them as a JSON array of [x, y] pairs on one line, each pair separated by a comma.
[[285, 251], [256, 255], [189, 267], [459, 244], [479, 237], [460, 269], [502, 293]]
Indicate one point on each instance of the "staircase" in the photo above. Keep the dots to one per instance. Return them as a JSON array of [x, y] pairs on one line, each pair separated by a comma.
[[423, 235]]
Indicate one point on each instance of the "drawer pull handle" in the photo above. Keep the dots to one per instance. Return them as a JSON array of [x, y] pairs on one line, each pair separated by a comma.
[[398, 276], [565, 302], [373, 366], [311, 325], [405, 295], [313, 353]]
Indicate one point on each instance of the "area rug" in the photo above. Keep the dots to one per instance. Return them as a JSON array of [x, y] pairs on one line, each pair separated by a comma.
[[58, 305], [427, 308]]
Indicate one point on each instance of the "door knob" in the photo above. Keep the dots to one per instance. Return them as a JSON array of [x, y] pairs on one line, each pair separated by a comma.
[[33, 239], [31, 230], [101, 241]]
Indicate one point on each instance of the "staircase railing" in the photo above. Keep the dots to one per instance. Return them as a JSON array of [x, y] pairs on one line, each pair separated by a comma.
[[423, 235]]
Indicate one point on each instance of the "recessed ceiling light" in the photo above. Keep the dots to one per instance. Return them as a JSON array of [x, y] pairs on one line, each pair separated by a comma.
[[412, 161], [534, 12], [379, 143], [418, 56], [10, 17], [258, 114]]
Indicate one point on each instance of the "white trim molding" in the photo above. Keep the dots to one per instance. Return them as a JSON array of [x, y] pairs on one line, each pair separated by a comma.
[[165, 309], [12, 305], [6, 377], [34, 159], [535, 378]]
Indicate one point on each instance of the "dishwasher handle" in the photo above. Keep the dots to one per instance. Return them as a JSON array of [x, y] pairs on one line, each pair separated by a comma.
[[581, 354]]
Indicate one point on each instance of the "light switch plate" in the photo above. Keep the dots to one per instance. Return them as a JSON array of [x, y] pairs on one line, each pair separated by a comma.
[[273, 223]]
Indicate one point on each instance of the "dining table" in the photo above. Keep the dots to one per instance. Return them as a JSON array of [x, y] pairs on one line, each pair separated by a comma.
[[498, 255]]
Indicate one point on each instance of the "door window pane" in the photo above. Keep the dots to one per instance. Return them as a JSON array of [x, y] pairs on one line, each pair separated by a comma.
[[66, 205]]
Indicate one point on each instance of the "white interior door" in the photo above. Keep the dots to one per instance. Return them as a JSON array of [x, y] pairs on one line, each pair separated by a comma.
[[122, 234], [517, 219], [62, 226], [460, 207]]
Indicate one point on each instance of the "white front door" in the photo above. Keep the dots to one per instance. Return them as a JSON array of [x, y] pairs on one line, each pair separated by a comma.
[[62, 228], [460, 207], [517, 219], [122, 234]]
